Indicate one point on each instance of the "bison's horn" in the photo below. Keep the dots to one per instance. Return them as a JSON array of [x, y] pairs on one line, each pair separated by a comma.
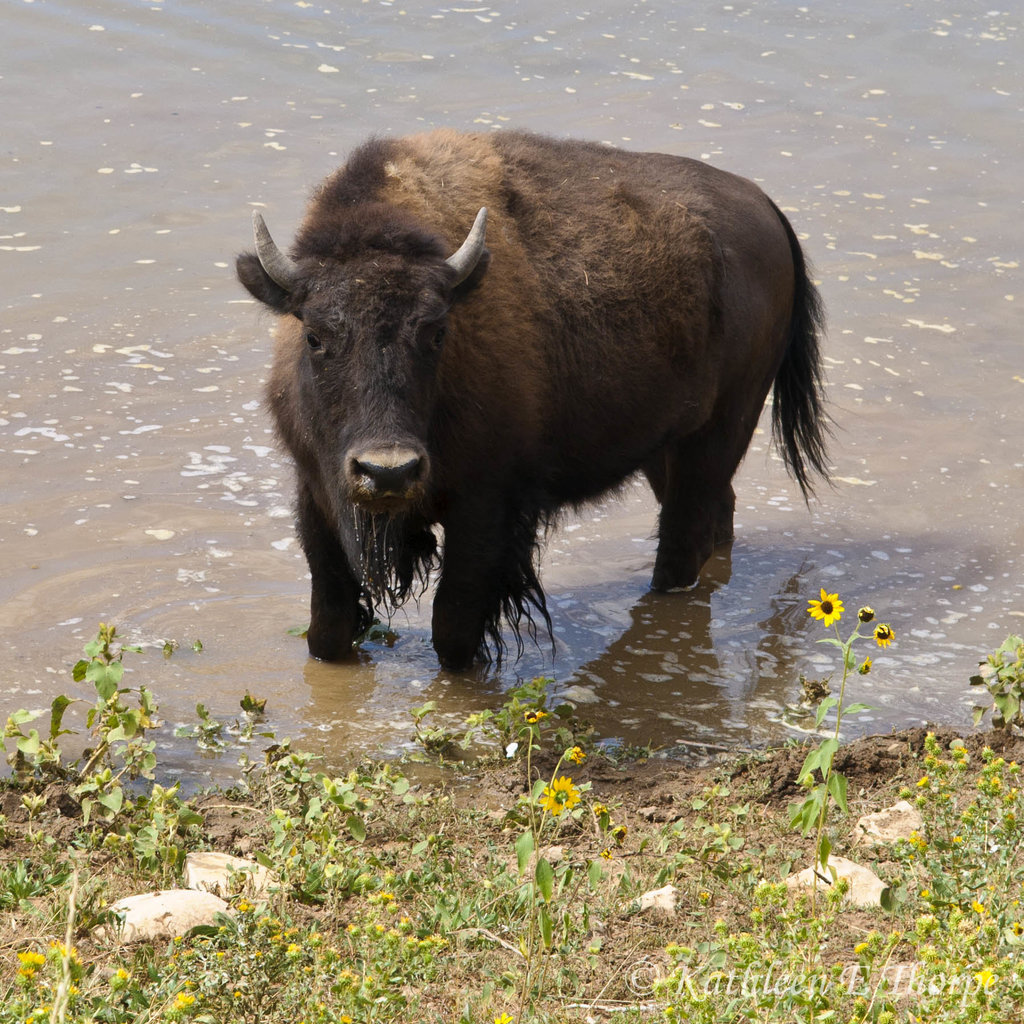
[[281, 269], [465, 259]]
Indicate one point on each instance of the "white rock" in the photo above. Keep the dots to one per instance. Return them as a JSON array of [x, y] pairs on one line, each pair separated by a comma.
[[226, 875], [889, 824], [160, 915], [663, 899], [866, 887]]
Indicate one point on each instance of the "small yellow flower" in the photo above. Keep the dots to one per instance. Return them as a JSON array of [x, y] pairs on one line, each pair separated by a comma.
[[560, 796], [865, 667], [884, 634], [1018, 928], [32, 959], [533, 717], [606, 853], [619, 833], [576, 755], [925, 893], [60, 950], [985, 977], [183, 1001], [829, 608], [978, 908], [503, 1019], [866, 614], [861, 947]]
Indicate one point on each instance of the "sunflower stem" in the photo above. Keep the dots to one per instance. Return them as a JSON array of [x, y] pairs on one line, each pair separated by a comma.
[[828, 769]]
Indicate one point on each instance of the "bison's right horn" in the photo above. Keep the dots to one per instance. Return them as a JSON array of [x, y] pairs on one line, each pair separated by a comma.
[[464, 261], [281, 269]]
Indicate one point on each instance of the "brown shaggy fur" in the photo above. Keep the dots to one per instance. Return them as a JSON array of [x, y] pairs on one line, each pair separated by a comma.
[[631, 313]]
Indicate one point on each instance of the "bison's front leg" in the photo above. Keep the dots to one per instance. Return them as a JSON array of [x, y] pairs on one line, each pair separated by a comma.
[[336, 615], [481, 556]]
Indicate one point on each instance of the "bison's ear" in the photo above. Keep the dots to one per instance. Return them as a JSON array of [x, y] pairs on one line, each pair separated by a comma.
[[259, 284], [475, 277]]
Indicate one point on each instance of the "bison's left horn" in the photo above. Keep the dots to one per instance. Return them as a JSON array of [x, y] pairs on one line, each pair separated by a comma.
[[465, 259], [281, 269]]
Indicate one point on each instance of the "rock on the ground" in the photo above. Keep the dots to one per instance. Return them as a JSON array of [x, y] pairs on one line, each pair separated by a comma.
[[225, 875], [889, 824], [866, 887], [160, 915], [663, 899]]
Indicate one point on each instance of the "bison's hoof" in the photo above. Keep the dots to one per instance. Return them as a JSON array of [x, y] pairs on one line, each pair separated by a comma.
[[665, 581]]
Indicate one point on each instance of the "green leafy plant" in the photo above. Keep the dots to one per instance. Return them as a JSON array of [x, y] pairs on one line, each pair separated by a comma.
[[435, 740], [208, 732], [24, 880], [1002, 674], [118, 720], [503, 727], [213, 736]]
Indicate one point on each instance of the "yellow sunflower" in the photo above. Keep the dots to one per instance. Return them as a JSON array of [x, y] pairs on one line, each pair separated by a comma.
[[560, 796], [829, 609], [884, 634]]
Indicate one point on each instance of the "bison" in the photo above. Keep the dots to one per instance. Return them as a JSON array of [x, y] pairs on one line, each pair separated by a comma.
[[480, 330]]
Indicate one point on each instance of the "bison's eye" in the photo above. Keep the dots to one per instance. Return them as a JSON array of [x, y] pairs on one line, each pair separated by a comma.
[[313, 342], [439, 336]]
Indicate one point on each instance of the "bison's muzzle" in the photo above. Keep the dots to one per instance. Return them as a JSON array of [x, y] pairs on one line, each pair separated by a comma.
[[386, 478]]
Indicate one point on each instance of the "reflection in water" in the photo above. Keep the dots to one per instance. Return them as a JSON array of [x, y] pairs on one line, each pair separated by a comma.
[[666, 659], [669, 665]]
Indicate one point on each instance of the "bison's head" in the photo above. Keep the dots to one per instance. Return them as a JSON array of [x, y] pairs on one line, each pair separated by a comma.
[[366, 303]]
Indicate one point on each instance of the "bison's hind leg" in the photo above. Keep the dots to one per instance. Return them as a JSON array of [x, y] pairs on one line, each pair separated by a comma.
[[692, 481]]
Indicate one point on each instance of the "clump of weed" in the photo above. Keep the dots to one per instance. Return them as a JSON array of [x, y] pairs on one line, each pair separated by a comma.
[[106, 777], [1002, 674]]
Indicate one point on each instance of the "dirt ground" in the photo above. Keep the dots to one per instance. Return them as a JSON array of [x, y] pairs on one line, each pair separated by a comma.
[[652, 790]]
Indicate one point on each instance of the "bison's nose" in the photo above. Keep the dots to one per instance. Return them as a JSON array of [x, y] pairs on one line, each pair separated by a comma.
[[386, 472]]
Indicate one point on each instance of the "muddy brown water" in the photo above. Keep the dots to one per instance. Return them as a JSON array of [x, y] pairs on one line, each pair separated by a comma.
[[140, 483]]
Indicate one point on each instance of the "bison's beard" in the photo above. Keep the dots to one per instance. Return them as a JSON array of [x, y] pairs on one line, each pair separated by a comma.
[[393, 555]]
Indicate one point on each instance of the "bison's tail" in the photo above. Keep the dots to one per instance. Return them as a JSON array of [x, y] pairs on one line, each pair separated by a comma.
[[799, 422]]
